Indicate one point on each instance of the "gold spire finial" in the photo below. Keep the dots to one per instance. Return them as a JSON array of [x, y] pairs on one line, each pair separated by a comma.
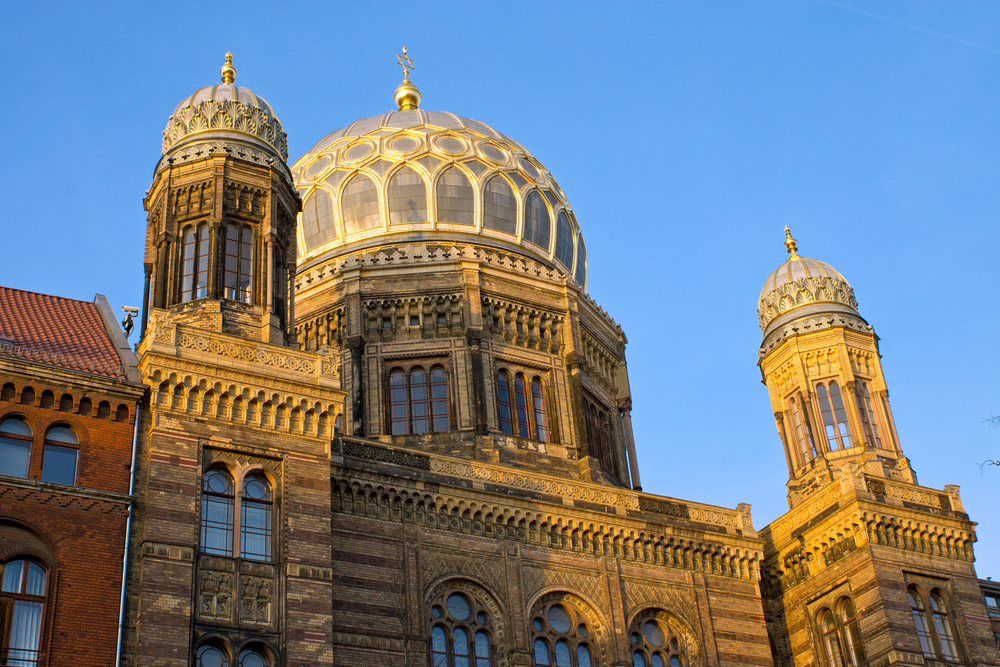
[[228, 71], [407, 96], [790, 244]]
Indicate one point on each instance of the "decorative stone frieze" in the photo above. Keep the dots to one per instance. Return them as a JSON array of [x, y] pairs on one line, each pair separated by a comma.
[[227, 115]]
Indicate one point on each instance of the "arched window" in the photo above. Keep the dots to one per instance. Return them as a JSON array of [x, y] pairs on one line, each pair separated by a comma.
[[499, 206], [537, 223], [461, 632], [22, 601], [15, 447], [504, 402], [455, 198], [942, 627], [59, 458], [803, 434], [580, 275], [854, 647], [833, 655], [838, 435], [538, 410], [253, 657], [561, 637], [212, 655], [654, 644], [217, 513], [418, 401], [318, 225], [407, 197], [359, 205], [867, 412], [239, 263], [255, 524], [936, 634], [194, 263], [564, 240]]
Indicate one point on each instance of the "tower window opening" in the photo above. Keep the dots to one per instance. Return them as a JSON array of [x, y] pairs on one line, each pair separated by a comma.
[[217, 503], [803, 434], [239, 263], [599, 436], [255, 526], [867, 411], [521, 398], [841, 635], [503, 396], [935, 630], [538, 407], [418, 401], [59, 456], [521, 404], [838, 434], [279, 294], [194, 263]]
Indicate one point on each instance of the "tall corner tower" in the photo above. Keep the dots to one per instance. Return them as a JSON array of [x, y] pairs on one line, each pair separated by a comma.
[[220, 236], [821, 364], [866, 567]]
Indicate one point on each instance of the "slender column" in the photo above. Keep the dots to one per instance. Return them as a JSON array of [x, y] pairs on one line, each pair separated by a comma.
[[145, 299], [625, 407], [475, 340], [357, 348]]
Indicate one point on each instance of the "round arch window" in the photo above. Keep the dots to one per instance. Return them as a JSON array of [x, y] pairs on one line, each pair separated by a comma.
[[212, 655]]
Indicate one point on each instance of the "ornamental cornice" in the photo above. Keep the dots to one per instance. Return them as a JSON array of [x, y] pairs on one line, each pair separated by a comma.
[[811, 289], [226, 116], [819, 323]]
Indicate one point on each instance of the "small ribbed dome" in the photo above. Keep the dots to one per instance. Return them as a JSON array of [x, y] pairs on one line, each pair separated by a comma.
[[419, 176], [808, 287], [211, 118]]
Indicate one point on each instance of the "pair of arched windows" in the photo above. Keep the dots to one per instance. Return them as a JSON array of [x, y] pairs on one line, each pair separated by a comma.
[[840, 635], [219, 513], [238, 274], [418, 400], [522, 414], [934, 625], [599, 435], [22, 607], [59, 452], [831, 404], [215, 653], [194, 262], [869, 419], [461, 632]]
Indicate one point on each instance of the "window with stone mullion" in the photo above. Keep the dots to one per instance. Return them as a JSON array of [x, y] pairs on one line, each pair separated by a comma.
[[461, 631]]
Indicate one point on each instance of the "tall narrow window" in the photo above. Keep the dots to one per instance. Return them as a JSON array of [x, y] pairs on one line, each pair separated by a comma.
[[59, 459], [503, 398], [217, 513], [521, 396], [187, 264], [461, 632], [594, 432], [15, 447], [537, 222], [455, 198], [439, 400], [580, 273], [499, 206], [359, 205], [538, 407], [419, 401], [255, 527], [942, 626], [201, 273], [564, 240], [279, 278], [407, 196], [22, 602], [868, 408], [239, 263], [831, 639], [802, 435], [919, 613], [398, 403], [838, 435]]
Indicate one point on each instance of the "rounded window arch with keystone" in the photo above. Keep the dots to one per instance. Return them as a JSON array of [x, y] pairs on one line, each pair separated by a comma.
[[461, 631], [655, 644], [562, 637]]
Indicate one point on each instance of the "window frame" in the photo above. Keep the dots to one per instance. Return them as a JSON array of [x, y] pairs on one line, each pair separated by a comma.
[[511, 400], [19, 438], [843, 436], [198, 253], [236, 530], [433, 416], [62, 444], [839, 634], [671, 652], [543, 632], [479, 621], [231, 289], [931, 617], [8, 604]]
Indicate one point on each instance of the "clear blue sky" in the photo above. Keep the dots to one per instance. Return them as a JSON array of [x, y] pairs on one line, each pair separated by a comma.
[[686, 135]]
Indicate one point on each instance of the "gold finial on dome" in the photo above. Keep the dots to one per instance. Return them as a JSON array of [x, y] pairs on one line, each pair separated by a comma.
[[228, 71], [790, 244], [407, 95]]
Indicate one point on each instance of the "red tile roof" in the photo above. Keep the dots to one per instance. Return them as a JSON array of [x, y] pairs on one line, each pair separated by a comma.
[[56, 331]]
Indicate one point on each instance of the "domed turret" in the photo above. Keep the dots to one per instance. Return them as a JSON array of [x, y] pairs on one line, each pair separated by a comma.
[[804, 289], [416, 176], [225, 118]]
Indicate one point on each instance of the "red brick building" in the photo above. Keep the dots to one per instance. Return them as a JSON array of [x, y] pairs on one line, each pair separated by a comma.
[[68, 397]]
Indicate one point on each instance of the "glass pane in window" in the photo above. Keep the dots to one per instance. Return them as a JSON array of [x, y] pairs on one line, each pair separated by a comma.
[[580, 275], [583, 656], [318, 225], [503, 397], [12, 576], [439, 647], [219, 481], [246, 266], [15, 426], [521, 397], [828, 421], [25, 629], [397, 403], [187, 265], [563, 654], [499, 206], [256, 487], [211, 656], [62, 434], [252, 658], [35, 582], [201, 277], [461, 647], [537, 223], [14, 456], [564, 240], [256, 530], [541, 653], [59, 465], [538, 407], [419, 404], [359, 205], [653, 633], [838, 408], [217, 525], [482, 649], [455, 198], [638, 660], [458, 607], [656, 660], [407, 197], [439, 400], [232, 260], [675, 661], [559, 618]]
